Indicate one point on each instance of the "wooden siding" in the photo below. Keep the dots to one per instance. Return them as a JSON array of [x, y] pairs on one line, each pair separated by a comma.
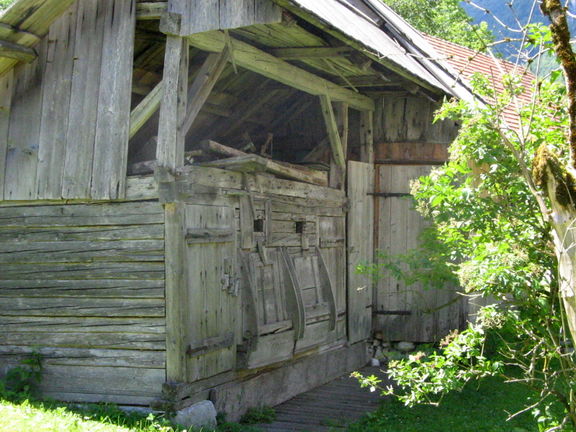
[[64, 118], [408, 313], [404, 131], [84, 286], [204, 15]]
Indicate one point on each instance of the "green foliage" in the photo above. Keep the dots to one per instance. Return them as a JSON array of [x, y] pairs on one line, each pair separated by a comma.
[[259, 415], [21, 382], [491, 232], [443, 18], [4, 4]]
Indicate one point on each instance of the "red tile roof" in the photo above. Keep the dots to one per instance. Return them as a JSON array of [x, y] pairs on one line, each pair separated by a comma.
[[466, 62]]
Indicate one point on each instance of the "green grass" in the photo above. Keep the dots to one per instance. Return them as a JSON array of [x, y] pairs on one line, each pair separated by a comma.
[[36, 416], [480, 407], [53, 417]]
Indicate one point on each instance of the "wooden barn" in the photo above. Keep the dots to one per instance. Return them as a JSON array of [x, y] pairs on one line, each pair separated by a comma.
[[186, 187]]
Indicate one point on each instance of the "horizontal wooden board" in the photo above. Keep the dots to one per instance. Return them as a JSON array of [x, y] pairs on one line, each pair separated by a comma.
[[116, 288], [72, 306], [131, 213], [78, 251], [86, 356], [113, 326], [103, 380], [83, 233], [120, 341], [97, 270], [214, 177]]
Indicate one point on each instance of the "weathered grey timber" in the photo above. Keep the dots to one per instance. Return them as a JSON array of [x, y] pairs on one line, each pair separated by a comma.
[[67, 267], [186, 187]]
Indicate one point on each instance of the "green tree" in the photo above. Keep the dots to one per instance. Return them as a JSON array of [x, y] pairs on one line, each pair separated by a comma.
[[504, 210], [443, 18], [5, 3]]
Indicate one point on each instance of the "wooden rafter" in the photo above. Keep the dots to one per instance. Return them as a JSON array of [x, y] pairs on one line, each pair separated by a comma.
[[145, 109], [203, 85], [17, 52], [258, 61], [310, 52]]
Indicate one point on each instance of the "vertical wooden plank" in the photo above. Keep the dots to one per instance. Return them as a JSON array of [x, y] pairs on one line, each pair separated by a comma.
[[236, 13], [197, 15], [6, 89], [367, 136], [55, 106], [24, 131], [170, 148], [266, 12], [113, 124], [177, 321], [83, 110], [360, 249]]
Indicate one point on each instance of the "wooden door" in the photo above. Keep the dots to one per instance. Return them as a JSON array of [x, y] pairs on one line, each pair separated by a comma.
[[213, 287], [360, 249], [403, 312]]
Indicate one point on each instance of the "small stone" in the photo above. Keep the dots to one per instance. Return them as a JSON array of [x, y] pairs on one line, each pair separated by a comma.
[[199, 415], [378, 354], [375, 342], [374, 362], [405, 346], [385, 344]]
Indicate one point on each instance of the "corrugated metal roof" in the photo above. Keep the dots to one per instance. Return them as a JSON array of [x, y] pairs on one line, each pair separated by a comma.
[[466, 62], [387, 36]]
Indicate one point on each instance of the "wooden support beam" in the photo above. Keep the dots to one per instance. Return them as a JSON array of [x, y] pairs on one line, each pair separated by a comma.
[[251, 163], [203, 85], [337, 173], [145, 109], [313, 52], [258, 61], [170, 148], [333, 133], [17, 52], [367, 81], [367, 136]]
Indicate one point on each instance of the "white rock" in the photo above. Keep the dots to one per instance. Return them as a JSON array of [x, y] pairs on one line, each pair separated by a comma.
[[374, 362], [201, 414], [385, 344], [405, 346]]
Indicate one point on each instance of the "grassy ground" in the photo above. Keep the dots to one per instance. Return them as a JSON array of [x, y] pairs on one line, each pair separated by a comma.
[[479, 408], [483, 408]]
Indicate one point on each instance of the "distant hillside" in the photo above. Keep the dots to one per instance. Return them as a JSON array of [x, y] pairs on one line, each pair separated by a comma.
[[519, 14]]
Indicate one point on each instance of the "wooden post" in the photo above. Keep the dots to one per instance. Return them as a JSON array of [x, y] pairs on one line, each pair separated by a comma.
[[176, 293], [367, 136], [170, 149]]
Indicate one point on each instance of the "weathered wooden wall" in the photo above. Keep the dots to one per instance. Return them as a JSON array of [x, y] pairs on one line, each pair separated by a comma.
[[408, 313], [83, 285], [404, 130], [203, 15], [64, 118], [263, 273], [407, 145]]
